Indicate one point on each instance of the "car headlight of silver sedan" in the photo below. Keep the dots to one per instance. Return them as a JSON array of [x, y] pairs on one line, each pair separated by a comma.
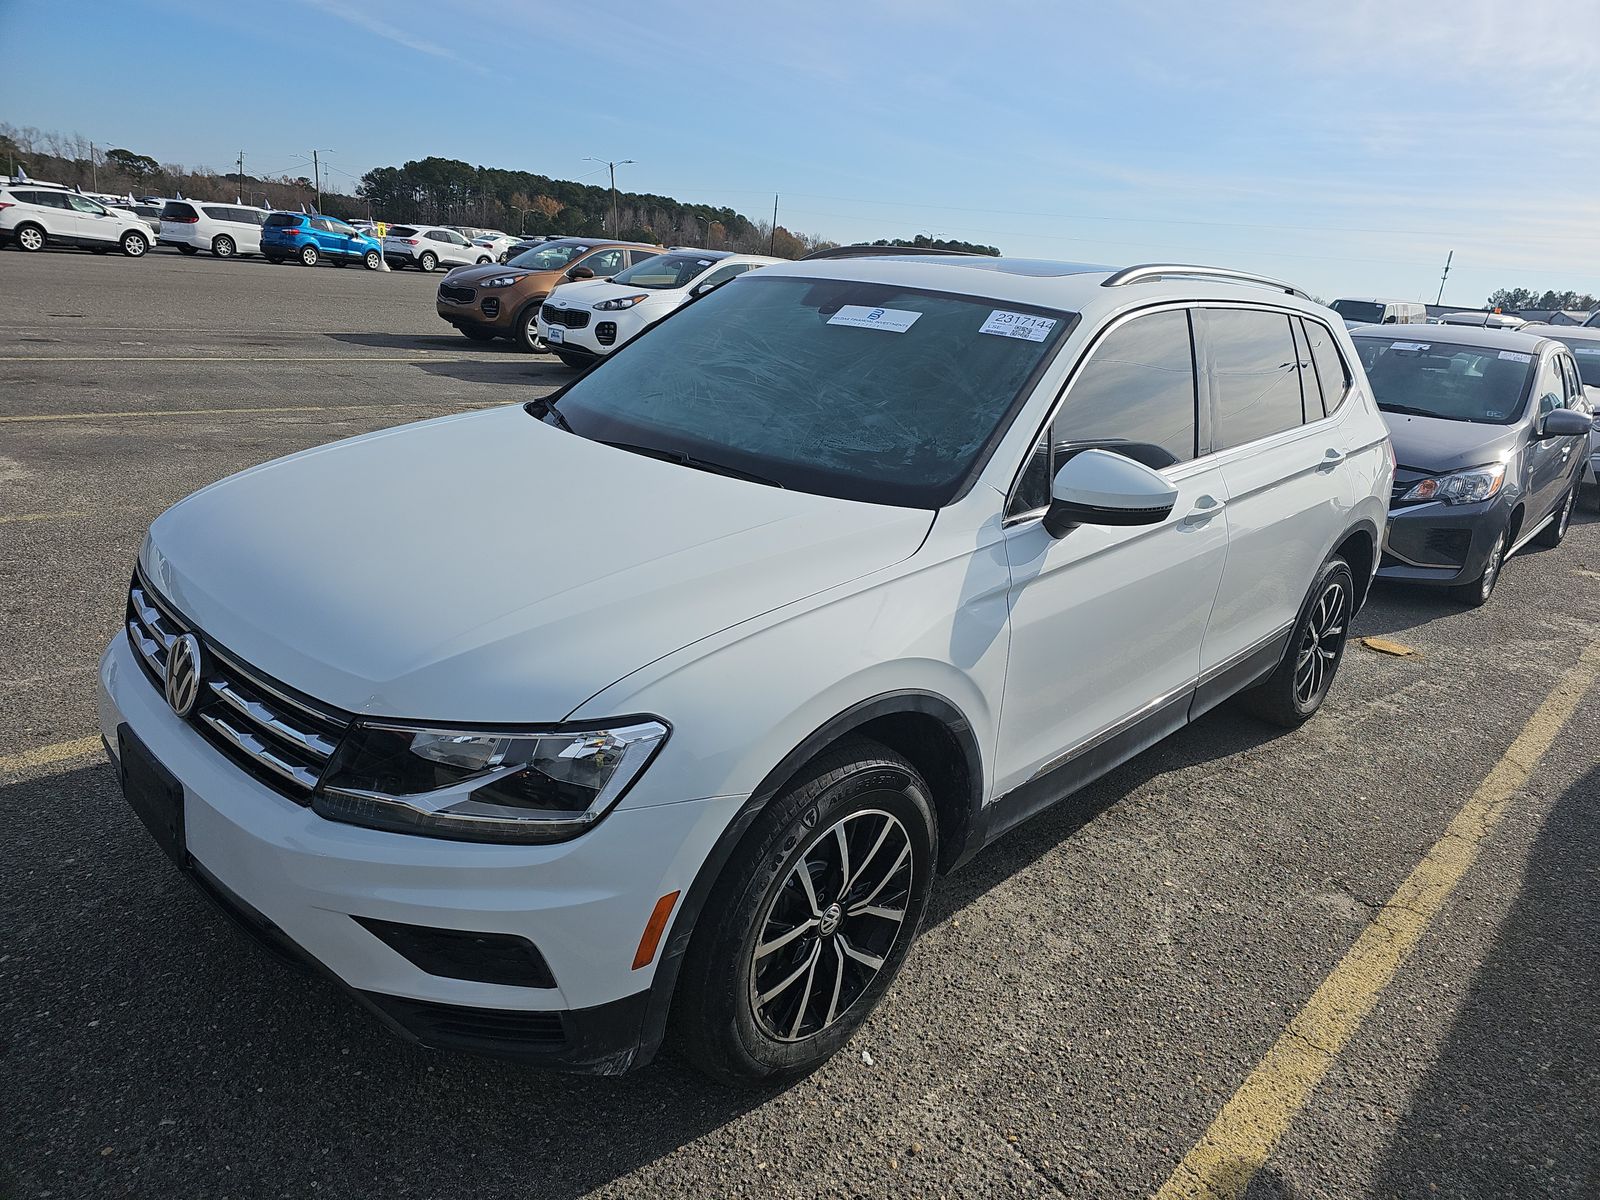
[[1460, 487], [485, 785]]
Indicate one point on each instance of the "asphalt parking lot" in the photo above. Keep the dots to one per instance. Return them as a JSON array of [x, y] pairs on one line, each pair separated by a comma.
[[1087, 997]]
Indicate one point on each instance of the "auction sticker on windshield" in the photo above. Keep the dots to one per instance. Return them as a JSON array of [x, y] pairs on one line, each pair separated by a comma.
[[1018, 325], [1513, 356], [859, 316], [1411, 346]]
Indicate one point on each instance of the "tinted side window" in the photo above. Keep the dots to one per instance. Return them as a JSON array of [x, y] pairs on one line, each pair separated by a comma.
[[723, 274], [1332, 374], [51, 199], [604, 262], [1137, 389], [1574, 385], [638, 256], [1255, 386], [1551, 387]]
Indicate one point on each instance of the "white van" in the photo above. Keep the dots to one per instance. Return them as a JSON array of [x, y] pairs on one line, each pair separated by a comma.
[[1372, 310], [223, 229]]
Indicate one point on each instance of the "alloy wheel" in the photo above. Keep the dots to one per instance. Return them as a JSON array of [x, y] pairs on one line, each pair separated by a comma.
[[30, 239], [1321, 644], [832, 925]]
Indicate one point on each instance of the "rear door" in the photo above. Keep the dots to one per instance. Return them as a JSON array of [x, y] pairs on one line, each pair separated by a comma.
[[1107, 622], [1282, 458]]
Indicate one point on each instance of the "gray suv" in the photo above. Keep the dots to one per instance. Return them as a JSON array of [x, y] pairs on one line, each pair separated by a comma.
[[1490, 434]]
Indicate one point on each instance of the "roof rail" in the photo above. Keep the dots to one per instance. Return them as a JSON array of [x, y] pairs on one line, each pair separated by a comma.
[[1155, 272]]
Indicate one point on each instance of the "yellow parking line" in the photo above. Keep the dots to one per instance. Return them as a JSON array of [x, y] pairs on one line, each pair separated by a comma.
[[1244, 1133], [44, 756], [207, 412], [18, 518]]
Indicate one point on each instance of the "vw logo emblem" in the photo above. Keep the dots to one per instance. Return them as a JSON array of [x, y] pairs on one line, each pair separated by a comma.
[[182, 684]]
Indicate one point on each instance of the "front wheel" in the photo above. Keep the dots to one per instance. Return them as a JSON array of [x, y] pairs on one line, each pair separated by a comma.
[[1556, 528], [309, 255], [1476, 594], [1291, 695], [134, 244], [809, 922], [372, 259], [526, 335], [428, 261]]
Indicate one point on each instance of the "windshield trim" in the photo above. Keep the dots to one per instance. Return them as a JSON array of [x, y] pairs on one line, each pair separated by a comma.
[[958, 488]]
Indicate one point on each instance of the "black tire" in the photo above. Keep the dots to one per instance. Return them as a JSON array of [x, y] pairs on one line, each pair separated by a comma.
[[1291, 695], [222, 246], [310, 256], [372, 260], [134, 244], [476, 333], [1556, 528], [189, 249], [31, 238], [484, 260], [525, 333], [428, 261], [1476, 593], [743, 1036]]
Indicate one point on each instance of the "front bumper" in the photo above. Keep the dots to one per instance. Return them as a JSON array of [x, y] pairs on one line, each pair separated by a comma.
[[604, 332], [1441, 544], [300, 883], [485, 308]]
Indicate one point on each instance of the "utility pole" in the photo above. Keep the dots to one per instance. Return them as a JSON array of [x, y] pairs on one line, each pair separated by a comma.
[[316, 170], [1446, 275], [94, 173], [621, 162], [772, 238], [241, 178]]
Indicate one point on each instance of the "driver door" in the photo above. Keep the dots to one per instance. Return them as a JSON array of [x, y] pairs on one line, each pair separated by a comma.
[[1107, 622]]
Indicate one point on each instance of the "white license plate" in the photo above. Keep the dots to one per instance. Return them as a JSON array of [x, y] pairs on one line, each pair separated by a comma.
[[556, 336]]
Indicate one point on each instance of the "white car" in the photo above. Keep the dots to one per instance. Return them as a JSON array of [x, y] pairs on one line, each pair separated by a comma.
[[829, 581], [1486, 320], [427, 246], [224, 229], [584, 322], [495, 242], [36, 215]]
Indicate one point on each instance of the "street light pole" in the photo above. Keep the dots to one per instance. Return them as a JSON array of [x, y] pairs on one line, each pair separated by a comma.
[[621, 162]]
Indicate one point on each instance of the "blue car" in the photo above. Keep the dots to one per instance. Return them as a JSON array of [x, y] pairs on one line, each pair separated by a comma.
[[311, 239]]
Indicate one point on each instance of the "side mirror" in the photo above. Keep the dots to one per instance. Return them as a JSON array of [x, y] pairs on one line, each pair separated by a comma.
[[580, 273], [1391, 319], [1097, 487], [1564, 422], [703, 288]]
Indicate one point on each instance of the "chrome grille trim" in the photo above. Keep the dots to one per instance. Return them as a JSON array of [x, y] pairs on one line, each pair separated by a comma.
[[281, 739]]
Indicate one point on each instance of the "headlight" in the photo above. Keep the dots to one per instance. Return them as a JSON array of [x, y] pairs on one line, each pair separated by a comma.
[[499, 281], [1463, 487], [484, 786], [619, 303]]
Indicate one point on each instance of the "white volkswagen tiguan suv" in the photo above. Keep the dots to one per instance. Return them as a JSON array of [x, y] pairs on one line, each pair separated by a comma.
[[683, 685]]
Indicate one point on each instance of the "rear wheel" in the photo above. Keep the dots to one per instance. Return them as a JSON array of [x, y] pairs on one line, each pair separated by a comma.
[[1291, 695], [805, 929], [134, 244], [428, 261], [484, 260], [1556, 529], [222, 246], [309, 255], [372, 259], [30, 238], [1477, 593]]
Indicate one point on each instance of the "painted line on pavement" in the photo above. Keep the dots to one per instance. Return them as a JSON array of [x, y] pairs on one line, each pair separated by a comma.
[[1241, 1138], [44, 756]]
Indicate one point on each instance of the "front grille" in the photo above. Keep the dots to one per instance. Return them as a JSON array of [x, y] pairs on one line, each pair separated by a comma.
[[491, 307], [282, 739], [572, 318], [457, 295], [605, 332]]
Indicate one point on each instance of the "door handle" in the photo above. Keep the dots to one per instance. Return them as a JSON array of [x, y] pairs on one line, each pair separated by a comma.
[[1331, 459], [1206, 507]]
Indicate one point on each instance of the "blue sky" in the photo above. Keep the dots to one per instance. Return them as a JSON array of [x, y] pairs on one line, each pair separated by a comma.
[[1346, 146]]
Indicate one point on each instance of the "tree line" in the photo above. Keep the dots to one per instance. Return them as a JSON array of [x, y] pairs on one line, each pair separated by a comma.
[[1511, 299], [437, 191]]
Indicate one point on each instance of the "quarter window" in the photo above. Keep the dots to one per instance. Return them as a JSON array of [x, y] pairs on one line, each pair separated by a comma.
[[1332, 374], [1135, 396], [1255, 385]]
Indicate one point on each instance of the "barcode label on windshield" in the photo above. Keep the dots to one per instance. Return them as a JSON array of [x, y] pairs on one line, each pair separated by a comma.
[[1513, 356], [1018, 325], [1411, 346]]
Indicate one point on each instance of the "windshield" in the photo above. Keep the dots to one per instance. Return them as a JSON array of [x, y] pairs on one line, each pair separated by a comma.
[[1587, 356], [548, 257], [666, 271], [862, 391], [1455, 383], [1364, 312]]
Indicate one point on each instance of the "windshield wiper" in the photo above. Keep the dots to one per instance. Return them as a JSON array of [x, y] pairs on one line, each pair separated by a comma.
[[543, 408], [698, 464], [1406, 410]]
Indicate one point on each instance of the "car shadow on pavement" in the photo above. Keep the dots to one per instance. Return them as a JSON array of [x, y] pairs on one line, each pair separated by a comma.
[[545, 373], [151, 1049], [426, 341], [1508, 1108]]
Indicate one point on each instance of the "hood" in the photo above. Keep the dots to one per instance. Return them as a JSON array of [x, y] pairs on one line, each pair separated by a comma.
[[468, 276], [489, 567], [1436, 446], [586, 292]]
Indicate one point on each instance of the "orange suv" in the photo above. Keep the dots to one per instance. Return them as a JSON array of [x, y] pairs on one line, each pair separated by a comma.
[[493, 301]]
